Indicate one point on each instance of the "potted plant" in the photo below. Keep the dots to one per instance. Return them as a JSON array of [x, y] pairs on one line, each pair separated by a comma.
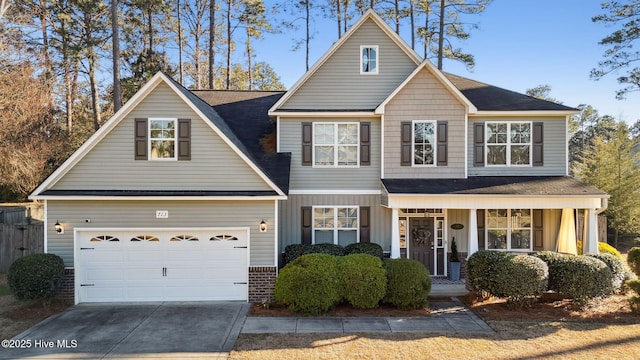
[[454, 262]]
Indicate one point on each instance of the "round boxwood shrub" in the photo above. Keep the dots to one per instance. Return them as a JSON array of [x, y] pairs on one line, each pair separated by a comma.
[[634, 300], [363, 280], [521, 279], [618, 270], [633, 259], [309, 284], [550, 258], [35, 276], [408, 283], [582, 278], [482, 267], [294, 251], [329, 249], [372, 249]]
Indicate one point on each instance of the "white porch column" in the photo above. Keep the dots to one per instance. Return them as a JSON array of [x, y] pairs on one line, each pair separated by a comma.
[[473, 232], [590, 242], [395, 234]]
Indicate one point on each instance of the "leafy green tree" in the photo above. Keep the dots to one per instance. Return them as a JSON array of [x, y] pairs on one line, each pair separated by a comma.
[[611, 164], [622, 45]]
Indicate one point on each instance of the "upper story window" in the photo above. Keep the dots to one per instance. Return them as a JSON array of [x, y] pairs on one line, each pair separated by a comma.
[[335, 225], [162, 139], [509, 229], [369, 59], [336, 144], [508, 143], [424, 142]]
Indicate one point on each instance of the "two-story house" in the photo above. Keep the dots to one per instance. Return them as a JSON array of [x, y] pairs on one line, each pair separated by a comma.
[[193, 195]]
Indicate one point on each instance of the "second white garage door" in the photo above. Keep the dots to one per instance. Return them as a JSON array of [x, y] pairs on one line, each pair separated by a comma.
[[115, 265]]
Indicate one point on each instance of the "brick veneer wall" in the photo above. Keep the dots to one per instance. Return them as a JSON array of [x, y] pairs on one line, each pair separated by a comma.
[[262, 282], [66, 290]]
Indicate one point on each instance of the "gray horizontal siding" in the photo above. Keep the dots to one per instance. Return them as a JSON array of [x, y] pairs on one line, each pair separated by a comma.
[[110, 165], [338, 84], [140, 214], [290, 216], [311, 178], [424, 98], [555, 150]]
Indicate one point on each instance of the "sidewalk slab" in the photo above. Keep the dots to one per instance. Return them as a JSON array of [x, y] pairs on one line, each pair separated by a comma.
[[262, 325], [328, 325], [365, 325], [413, 325]]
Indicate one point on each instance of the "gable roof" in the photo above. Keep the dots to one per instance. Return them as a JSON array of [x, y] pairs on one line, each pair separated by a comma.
[[204, 110], [487, 97], [368, 15]]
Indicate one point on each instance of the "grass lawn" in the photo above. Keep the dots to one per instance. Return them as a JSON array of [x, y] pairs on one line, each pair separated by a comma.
[[513, 340]]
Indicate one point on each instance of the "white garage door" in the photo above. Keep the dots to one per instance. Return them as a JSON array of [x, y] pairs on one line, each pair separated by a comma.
[[161, 264]]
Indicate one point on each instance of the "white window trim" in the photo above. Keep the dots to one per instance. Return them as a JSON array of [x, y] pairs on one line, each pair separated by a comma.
[[508, 144], [175, 139], [335, 145], [509, 229], [376, 47], [335, 229], [435, 143]]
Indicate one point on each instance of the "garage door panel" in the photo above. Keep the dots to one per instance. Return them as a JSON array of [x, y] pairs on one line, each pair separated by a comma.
[[181, 265]]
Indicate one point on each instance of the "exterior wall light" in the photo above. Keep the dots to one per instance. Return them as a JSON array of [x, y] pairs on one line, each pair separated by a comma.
[[263, 226], [59, 229]]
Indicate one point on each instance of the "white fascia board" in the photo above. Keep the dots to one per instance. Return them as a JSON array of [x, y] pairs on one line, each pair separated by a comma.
[[538, 113], [161, 198], [321, 114], [369, 14], [408, 201], [469, 107], [98, 135], [335, 192]]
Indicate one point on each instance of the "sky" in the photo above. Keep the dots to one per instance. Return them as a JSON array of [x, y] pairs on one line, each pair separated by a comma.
[[519, 44]]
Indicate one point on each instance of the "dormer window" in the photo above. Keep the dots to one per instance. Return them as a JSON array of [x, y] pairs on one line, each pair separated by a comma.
[[369, 59]]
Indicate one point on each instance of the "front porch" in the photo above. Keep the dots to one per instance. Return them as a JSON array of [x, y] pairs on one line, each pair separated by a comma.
[[442, 286]]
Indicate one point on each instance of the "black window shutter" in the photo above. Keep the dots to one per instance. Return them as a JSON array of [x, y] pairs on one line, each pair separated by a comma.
[[538, 239], [478, 144], [538, 139], [306, 224], [405, 140], [442, 143], [184, 139], [365, 143], [481, 226], [365, 224], [140, 138], [307, 143]]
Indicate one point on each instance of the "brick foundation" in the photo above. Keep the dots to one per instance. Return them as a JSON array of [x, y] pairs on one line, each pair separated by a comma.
[[262, 282], [66, 290]]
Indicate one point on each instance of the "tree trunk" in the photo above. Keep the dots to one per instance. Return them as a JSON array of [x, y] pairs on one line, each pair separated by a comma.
[[249, 70], [228, 75], [45, 40], [308, 20], [441, 34], [413, 25], [339, 17], [180, 67], [212, 39], [115, 40], [397, 16], [95, 104]]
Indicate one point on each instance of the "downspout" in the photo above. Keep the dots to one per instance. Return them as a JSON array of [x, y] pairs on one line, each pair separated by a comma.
[[605, 205]]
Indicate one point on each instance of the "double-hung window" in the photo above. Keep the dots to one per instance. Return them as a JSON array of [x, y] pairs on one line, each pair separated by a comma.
[[424, 143], [508, 143], [369, 59], [162, 139], [336, 144], [509, 229], [335, 225]]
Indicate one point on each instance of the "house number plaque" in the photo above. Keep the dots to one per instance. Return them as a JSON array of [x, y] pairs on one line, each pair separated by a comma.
[[162, 214]]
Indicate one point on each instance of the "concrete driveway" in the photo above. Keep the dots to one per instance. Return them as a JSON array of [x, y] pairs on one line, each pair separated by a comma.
[[150, 330]]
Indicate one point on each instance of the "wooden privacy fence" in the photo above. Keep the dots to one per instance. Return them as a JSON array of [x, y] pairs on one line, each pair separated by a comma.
[[17, 241], [602, 228]]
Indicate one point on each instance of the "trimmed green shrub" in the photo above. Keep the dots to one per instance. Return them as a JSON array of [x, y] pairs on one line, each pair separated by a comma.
[[633, 259], [617, 269], [408, 283], [294, 251], [309, 284], [35, 277], [329, 249], [634, 300], [550, 258], [482, 267], [582, 278], [363, 280], [521, 279], [372, 249]]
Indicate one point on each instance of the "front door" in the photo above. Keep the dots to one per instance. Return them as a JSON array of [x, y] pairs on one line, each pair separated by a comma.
[[422, 241]]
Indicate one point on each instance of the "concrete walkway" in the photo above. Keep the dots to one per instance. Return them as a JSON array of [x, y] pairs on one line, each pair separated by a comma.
[[446, 317]]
